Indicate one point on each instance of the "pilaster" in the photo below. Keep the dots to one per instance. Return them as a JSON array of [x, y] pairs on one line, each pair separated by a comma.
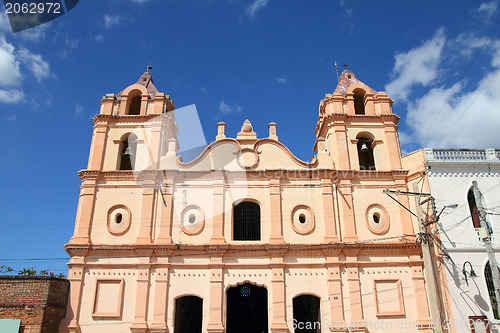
[[349, 233], [215, 321], [328, 211], [98, 145], [148, 206], [278, 322], [85, 210], [276, 216], [218, 209], [142, 295]]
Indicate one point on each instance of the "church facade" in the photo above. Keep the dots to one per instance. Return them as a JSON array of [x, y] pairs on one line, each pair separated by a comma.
[[245, 237]]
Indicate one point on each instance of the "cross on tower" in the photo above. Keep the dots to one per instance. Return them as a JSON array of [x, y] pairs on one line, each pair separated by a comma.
[[149, 67], [345, 66]]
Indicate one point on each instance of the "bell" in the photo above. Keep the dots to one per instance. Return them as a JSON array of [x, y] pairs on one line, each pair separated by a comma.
[[128, 153], [364, 147]]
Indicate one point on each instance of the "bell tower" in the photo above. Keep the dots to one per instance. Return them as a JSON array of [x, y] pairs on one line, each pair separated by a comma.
[[358, 127], [131, 133]]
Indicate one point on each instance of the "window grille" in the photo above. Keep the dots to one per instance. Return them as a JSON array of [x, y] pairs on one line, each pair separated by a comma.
[[246, 221]]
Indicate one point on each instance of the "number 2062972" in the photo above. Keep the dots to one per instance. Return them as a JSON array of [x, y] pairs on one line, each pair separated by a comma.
[[33, 8]]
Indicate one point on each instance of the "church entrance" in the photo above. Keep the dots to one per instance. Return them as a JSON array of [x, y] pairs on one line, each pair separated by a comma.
[[246, 309]]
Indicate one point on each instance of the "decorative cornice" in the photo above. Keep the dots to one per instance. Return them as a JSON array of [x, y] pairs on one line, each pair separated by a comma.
[[100, 118], [230, 249]]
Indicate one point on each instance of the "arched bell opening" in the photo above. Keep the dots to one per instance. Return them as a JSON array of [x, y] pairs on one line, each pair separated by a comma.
[[127, 152], [134, 103], [359, 101], [365, 153]]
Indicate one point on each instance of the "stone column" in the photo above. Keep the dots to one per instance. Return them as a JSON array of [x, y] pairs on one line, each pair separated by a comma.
[[391, 142], [75, 277], [215, 316], [278, 321], [349, 233], [339, 146], [276, 217], [406, 218], [166, 202], [85, 211], [335, 289], [142, 294], [420, 290], [328, 211], [159, 324], [98, 145], [218, 209], [148, 206], [354, 286]]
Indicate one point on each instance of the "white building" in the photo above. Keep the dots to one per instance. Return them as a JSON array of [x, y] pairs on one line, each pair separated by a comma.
[[451, 173]]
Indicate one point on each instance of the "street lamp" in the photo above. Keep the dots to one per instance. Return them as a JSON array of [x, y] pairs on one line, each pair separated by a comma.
[[436, 219], [472, 274]]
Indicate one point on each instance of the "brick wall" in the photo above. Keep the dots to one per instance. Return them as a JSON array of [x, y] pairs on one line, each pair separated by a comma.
[[40, 302]]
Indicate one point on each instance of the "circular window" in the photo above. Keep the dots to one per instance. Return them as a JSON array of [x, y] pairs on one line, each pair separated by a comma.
[[192, 220], [302, 220], [377, 219], [118, 219]]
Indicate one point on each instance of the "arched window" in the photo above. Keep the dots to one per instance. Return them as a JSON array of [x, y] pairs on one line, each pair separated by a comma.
[[474, 213], [359, 101], [134, 103], [127, 152], [365, 154], [491, 290], [306, 314], [188, 314], [246, 221]]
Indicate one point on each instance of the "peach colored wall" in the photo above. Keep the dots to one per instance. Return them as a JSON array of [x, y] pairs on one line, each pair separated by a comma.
[[162, 256]]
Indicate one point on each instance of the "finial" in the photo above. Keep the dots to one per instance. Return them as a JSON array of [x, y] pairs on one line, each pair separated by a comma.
[[345, 66], [336, 70], [149, 67]]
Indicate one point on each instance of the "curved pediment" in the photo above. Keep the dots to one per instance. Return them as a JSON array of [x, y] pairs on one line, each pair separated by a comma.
[[229, 154]]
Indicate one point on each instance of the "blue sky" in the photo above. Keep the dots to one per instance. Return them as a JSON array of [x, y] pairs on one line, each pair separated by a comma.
[[273, 60]]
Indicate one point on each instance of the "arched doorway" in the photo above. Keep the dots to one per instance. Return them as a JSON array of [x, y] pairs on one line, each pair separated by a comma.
[[246, 309], [306, 314], [188, 314]]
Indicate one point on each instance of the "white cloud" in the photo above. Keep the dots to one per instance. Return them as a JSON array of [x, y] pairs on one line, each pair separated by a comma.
[[111, 20], [4, 23], [204, 90], [10, 74], [417, 66], [9, 65], [35, 63], [71, 45], [226, 109], [466, 43], [11, 118], [469, 119], [282, 79], [99, 38], [79, 111], [140, 1], [487, 9], [254, 7], [11, 96], [35, 34]]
